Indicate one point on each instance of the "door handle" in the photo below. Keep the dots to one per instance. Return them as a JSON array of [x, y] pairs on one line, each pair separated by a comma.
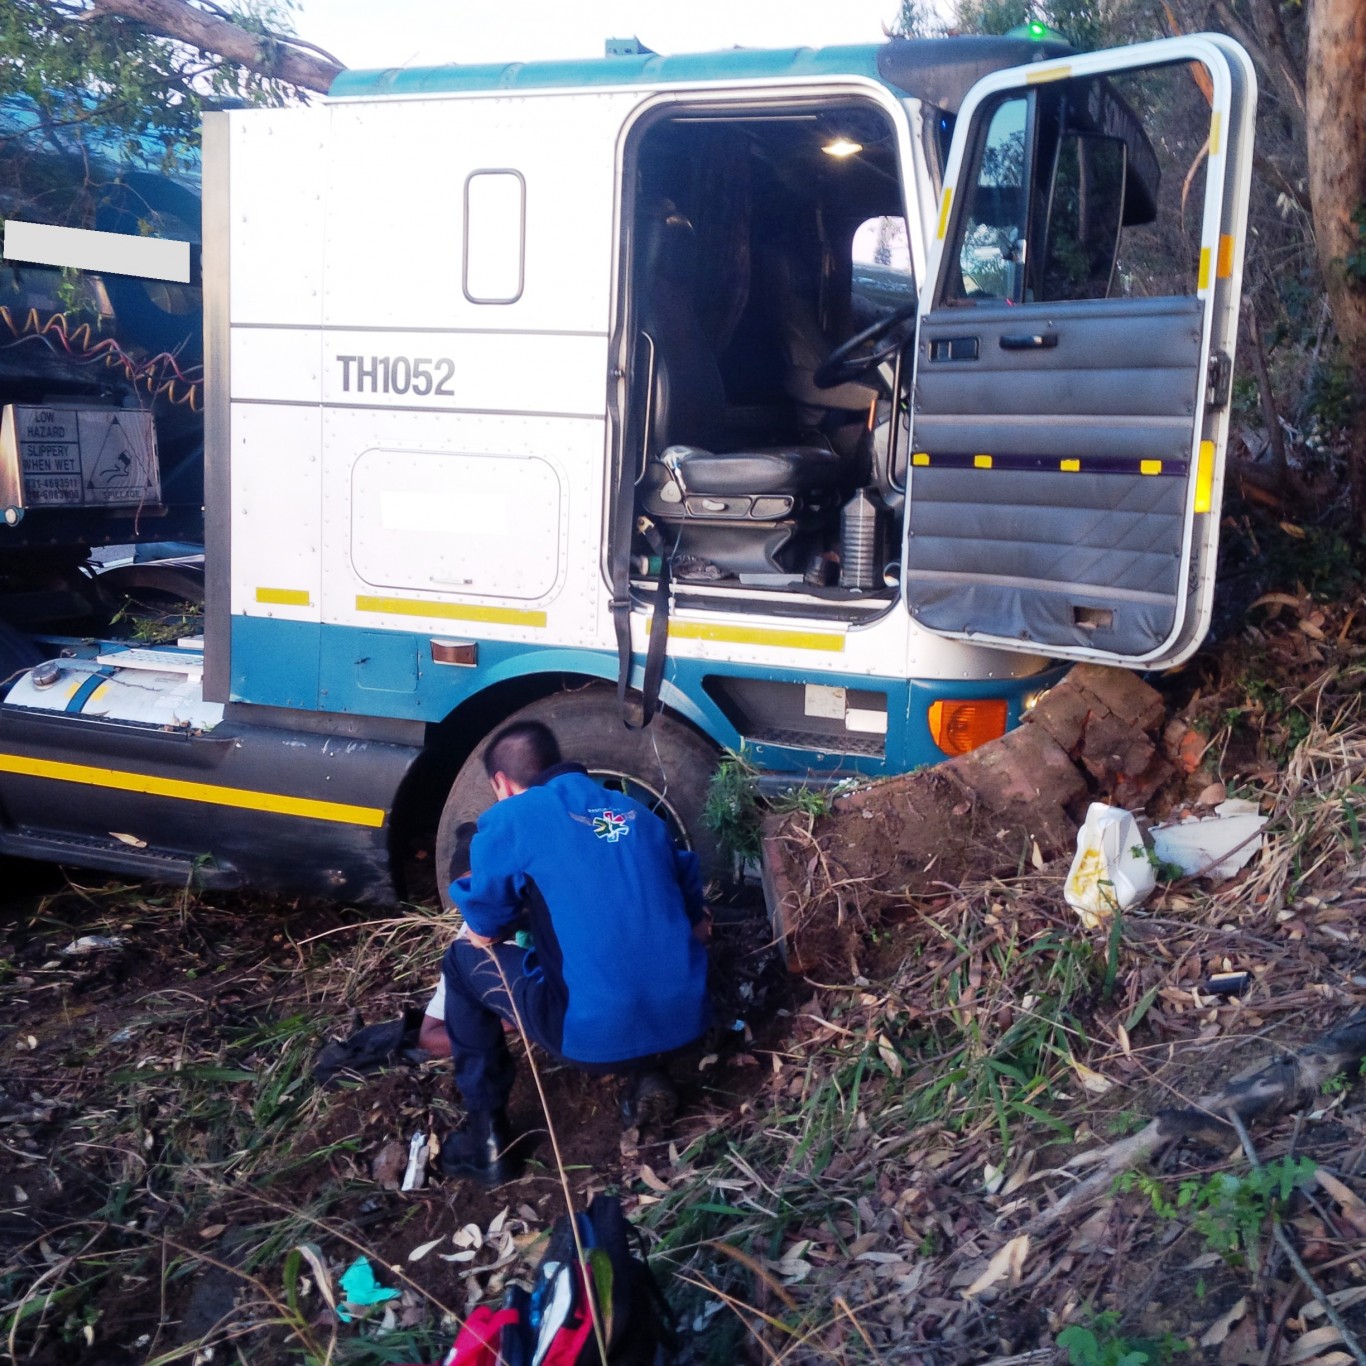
[[1036, 341]]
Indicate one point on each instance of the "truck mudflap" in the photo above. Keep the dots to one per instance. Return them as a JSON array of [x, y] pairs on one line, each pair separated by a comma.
[[269, 807]]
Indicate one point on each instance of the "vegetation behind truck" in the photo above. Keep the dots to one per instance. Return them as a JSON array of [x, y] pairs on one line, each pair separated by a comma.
[[825, 397]]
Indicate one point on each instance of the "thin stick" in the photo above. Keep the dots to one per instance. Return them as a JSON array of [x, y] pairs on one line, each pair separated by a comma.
[[843, 1306], [1278, 1232], [590, 1283], [1273, 1337]]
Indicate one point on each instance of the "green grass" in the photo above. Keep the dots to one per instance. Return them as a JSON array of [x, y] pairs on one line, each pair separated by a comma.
[[735, 809]]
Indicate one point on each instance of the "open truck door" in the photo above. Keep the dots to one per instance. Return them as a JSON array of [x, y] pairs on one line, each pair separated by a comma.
[[1074, 355]]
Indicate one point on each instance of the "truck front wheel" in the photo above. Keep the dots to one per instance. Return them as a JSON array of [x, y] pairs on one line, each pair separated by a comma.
[[666, 767]]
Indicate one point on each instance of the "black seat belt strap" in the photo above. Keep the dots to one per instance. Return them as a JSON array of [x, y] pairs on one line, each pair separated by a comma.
[[659, 624]]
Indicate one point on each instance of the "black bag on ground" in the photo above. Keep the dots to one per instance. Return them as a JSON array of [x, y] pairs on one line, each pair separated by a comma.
[[636, 1320], [367, 1050]]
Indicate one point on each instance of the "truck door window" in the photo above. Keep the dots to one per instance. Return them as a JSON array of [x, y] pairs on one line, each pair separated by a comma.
[[495, 237], [1068, 198], [1084, 217], [992, 252]]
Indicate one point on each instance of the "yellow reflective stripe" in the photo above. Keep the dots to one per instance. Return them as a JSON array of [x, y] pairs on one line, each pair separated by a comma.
[[1216, 129], [981, 462], [756, 635], [1069, 466], [284, 597], [1202, 280], [1204, 477], [451, 611], [944, 203], [1150, 467], [920, 458], [1038, 75], [1225, 266], [277, 803]]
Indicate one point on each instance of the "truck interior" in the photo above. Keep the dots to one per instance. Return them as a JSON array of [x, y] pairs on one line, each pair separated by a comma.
[[759, 241], [772, 304]]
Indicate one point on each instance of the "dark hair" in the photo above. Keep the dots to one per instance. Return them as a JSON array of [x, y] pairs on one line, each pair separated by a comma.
[[523, 751]]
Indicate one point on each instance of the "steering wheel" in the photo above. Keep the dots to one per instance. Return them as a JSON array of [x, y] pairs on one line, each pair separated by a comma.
[[865, 350]]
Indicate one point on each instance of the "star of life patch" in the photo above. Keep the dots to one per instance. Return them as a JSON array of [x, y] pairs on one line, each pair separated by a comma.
[[610, 825]]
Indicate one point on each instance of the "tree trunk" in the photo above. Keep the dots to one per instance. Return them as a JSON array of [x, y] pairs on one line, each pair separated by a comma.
[[1337, 187], [270, 57]]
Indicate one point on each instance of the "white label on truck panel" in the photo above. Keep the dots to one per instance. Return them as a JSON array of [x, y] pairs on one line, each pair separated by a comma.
[[108, 253], [484, 513], [822, 700]]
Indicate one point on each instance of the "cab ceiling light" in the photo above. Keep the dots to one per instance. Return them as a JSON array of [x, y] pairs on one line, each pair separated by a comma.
[[842, 147]]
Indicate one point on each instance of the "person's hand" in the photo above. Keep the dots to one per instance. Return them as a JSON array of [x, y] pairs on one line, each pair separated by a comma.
[[702, 930]]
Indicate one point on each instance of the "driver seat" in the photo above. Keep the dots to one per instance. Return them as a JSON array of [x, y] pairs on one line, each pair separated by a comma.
[[744, 505]]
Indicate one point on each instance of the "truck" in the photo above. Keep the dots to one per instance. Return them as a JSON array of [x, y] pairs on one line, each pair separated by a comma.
[[820, 404]]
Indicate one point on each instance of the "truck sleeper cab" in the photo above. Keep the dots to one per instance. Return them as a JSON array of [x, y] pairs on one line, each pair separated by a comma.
[[849, 388]]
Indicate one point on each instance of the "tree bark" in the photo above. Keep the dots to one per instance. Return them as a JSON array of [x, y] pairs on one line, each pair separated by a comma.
[[1337, 188], [270, 57]]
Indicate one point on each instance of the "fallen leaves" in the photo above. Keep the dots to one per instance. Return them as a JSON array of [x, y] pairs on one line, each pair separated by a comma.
[[422, 1249], [648, 1178], [389, 1164], [1351, 1205], [1006, 1265], [1092, 1080], [1223, 1325]]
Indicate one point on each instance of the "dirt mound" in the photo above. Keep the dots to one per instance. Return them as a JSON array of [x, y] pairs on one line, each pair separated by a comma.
[[1100, 735]]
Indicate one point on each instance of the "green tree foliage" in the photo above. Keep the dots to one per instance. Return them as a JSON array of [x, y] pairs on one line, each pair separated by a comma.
[[916, 19], [89, 85]]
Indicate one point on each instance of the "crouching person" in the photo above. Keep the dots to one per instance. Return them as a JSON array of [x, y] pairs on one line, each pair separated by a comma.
[[617, 973]]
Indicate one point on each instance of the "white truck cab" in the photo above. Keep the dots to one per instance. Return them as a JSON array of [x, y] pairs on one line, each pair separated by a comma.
[[824, 400]]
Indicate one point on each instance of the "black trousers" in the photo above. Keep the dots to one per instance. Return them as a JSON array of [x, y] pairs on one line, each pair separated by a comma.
[[484, 987]]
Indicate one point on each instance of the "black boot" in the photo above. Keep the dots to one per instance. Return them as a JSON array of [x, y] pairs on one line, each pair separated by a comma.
[[480, 1148], [648, 1100]]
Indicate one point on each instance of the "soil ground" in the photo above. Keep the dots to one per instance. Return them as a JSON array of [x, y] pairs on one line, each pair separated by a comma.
[[156, 1102]]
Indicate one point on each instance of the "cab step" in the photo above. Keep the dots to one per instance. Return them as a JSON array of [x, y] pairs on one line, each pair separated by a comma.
[[113, 855]]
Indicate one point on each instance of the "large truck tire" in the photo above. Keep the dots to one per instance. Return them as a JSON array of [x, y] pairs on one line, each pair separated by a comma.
[[667, 766]]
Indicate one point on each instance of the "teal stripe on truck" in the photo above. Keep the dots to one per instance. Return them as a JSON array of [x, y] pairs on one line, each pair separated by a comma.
[[856, 59]]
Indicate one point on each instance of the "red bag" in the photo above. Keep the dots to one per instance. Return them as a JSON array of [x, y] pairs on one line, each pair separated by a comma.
[[480, 1337]]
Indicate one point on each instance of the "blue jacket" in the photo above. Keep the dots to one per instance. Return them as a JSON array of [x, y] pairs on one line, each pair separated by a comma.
[[612, 904]]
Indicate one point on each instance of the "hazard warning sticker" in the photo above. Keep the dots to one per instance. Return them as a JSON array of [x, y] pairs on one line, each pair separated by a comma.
[[63, 457]]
